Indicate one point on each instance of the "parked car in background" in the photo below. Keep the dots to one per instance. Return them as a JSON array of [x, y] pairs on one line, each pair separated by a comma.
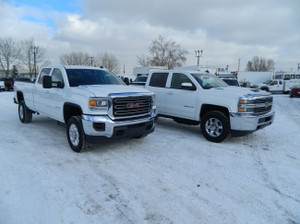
[[8, 84], [278, 85], [230, 79], [2, 84], [295, 91], [140, 80], [23, 79]]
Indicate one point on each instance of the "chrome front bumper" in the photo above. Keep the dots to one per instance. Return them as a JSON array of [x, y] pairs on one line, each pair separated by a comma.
[[250, 123], [108, 126]]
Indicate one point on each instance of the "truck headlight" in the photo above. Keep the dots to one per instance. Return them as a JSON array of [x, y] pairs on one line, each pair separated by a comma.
[[98, 103], [153, 102], [245, 105]]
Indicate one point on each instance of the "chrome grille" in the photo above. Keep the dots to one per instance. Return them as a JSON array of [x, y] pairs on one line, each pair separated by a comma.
[[127, 107], [263, 105]]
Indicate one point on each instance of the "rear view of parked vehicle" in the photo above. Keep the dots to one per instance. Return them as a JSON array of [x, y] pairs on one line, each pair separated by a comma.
[[295, 91], [2, 84], [8, 84]]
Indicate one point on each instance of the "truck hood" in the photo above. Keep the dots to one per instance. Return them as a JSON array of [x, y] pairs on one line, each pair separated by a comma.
[[105, 90], [239, 91], [229, 95]]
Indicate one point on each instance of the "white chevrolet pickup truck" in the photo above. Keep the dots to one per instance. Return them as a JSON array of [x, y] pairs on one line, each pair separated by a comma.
[[222, 110], [93, 103]]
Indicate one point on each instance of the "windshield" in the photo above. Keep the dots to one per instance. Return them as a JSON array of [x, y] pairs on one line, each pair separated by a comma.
[[231, 82], [208, 81], [78, 77], [267, 82], [141, 79]]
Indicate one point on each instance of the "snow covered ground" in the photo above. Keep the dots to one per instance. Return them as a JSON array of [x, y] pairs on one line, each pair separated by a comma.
[[171, 176]]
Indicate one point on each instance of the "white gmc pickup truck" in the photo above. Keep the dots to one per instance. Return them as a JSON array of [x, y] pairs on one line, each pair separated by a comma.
[[222, 110], [92, 102]]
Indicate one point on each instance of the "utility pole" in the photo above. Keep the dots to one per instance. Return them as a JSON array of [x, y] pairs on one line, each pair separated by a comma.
[[35, 51], [198, 55], [91, 61], [298, 67], [239, 65]]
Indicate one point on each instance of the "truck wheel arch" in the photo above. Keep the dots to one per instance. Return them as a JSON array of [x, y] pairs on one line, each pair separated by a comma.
[[210, 107], [265, 88], [20, 96], [70, 110]]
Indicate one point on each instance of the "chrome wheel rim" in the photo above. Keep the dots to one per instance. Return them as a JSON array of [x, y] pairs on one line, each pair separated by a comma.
[[21, 112], [214, 127], [74, 135]]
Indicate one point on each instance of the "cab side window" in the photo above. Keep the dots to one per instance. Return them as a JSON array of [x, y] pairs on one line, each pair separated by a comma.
[[178, 79], [57, 77], [159, 79], [45, 71]]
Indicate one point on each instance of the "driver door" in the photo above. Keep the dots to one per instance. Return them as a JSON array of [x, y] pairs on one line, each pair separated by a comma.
[[181, 97]]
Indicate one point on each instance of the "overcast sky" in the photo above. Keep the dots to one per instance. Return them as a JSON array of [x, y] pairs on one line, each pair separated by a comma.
[[226, 31]]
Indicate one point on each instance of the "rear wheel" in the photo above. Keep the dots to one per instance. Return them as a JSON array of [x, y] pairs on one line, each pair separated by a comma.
[[75, 134], [215, 126], [25, 115]]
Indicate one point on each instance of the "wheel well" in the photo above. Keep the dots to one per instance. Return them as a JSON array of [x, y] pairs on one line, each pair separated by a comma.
[[20, 96], [208, 107], [71, 110], [265, 88]]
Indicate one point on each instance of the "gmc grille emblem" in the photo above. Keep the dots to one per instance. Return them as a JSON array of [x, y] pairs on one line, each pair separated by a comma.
[[133, 105]]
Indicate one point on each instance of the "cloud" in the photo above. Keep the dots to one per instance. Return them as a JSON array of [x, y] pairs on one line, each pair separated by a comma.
[[225, 30]]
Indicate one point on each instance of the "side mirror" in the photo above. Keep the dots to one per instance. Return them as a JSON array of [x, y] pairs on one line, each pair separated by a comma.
[[47, 82], [126, 80], [187, 86]]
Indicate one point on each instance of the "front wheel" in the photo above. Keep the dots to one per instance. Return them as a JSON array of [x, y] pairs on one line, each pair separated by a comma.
[[25, 115], [75, 134], [215, 126]]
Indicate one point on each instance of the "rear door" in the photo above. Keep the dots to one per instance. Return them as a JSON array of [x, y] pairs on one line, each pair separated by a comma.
[[276, 85], [40, 95], [157, 84]]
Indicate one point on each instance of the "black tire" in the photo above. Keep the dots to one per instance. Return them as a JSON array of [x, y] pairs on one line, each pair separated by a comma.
[[215, 126], [25, 115], [291, 95], [139, 136], [75, 134]]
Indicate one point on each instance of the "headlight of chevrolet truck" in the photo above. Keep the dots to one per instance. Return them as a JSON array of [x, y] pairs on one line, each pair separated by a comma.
[[98, 103], [154, 102], [246, 105]]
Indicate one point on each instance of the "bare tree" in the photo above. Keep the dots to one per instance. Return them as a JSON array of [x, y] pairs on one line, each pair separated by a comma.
[[32, 55], [9, 52], [109, 61], [76, 58], [143, 60], [165, 52], [260, 64]]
